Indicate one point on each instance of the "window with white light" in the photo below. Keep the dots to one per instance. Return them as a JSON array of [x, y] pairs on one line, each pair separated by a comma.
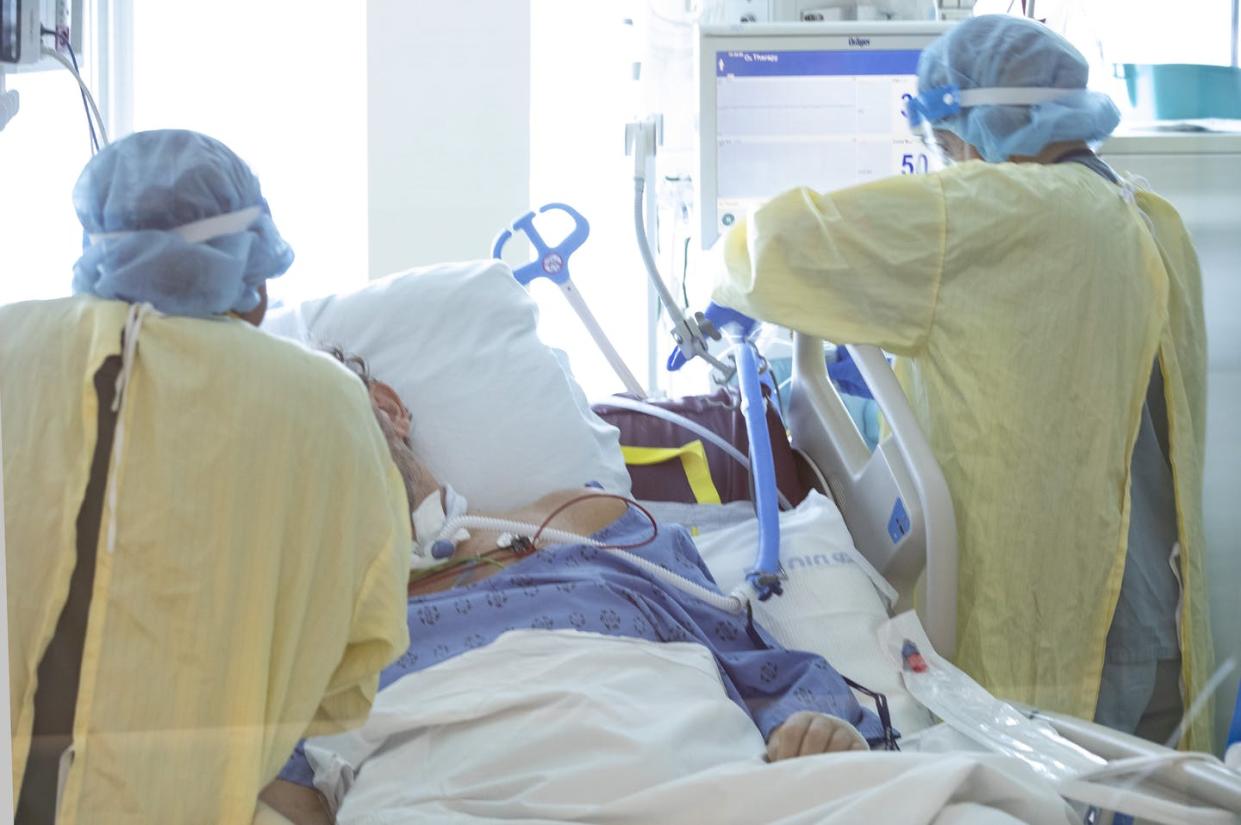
[[580, 84], [1111, 33], [285, 88], [294, 109], [42, 151]]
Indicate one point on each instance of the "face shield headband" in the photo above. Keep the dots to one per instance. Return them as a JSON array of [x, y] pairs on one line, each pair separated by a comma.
[[942, 102]]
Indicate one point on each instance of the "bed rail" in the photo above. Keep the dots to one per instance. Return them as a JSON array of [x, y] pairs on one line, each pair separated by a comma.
[[1202, 782], [895, 500]]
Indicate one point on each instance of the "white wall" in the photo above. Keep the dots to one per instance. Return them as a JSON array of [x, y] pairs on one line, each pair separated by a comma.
[[449, 126], [1205, 186]]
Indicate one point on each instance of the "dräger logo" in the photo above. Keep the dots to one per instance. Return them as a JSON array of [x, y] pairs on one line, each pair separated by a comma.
[[859, 41]]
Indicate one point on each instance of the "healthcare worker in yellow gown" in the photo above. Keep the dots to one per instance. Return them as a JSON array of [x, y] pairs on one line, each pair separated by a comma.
[[1048, 321], [207, 538]]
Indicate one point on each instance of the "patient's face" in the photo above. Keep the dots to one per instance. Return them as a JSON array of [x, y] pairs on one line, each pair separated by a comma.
[[395, 422]]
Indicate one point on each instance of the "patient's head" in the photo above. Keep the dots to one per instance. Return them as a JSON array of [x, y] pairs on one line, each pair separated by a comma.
[[396, 423]]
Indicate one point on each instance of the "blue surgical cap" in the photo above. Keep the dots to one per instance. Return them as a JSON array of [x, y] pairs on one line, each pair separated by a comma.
[[141, 192], [1002, 51]]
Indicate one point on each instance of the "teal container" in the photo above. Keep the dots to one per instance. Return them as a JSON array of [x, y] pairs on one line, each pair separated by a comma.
[[1183, 91]]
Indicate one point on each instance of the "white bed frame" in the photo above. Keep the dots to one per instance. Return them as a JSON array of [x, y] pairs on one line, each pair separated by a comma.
[[867, 488], [872, 488]]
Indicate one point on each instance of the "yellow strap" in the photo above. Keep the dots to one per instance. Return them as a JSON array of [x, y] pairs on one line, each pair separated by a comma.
[[693, 459]]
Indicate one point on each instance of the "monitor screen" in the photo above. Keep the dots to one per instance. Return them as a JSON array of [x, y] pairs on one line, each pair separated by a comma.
[[824, 110]]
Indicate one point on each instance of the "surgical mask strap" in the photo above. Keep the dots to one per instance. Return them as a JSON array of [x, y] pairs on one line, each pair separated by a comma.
[[217, 226]]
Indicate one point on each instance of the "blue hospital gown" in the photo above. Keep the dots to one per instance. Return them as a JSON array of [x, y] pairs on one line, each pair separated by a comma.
[[575, 587]]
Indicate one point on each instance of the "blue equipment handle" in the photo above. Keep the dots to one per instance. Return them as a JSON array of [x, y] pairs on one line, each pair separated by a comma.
[[765, 575], [552, 262], [720, 317]]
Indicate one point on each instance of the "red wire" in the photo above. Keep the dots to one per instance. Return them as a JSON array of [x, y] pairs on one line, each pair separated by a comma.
[[586, 497]]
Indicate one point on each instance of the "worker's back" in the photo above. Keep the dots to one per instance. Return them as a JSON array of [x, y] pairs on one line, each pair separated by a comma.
[[1054, 305], [248, 543], [1030, 303]]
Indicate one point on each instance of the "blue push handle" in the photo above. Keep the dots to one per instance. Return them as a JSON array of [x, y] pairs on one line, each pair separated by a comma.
[[553, 261], [765, 575], [722, 318]]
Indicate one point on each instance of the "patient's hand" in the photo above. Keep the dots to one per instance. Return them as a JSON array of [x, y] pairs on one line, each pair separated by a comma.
[[807, 733]]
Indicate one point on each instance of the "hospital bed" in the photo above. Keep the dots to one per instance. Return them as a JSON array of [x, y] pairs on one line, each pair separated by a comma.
[[895, 503], [894, 500], [902, 474]]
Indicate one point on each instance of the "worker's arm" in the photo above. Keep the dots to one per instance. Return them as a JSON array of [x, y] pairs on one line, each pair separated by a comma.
[[861, 266]]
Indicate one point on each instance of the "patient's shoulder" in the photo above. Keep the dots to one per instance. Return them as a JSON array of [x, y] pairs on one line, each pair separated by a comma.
[[582, 510]]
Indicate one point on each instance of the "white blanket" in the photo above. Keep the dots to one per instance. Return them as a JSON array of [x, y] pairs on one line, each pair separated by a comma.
[[558, 726]]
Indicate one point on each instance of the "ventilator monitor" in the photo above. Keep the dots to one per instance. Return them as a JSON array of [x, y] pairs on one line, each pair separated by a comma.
[[805, 104]]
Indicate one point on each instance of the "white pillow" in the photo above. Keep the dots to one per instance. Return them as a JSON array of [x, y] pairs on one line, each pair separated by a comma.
[[832, 603], [495, 414]]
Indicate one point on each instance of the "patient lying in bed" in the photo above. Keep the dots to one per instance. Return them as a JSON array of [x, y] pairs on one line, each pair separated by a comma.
[[565, 679]]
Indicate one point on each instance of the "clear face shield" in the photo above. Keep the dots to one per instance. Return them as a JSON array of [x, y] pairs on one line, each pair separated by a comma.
[[937, 146], [927, 109]]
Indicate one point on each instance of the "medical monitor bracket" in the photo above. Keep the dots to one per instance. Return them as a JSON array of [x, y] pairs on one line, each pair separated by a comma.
[[803, 104], [20, 37], [22, 25]]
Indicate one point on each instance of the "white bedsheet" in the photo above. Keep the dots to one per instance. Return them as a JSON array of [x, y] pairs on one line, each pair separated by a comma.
[[833, 603], [558, 726]]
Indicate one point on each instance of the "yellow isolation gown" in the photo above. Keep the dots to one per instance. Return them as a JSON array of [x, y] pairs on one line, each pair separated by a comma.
[[1026, 305], [250, 577]]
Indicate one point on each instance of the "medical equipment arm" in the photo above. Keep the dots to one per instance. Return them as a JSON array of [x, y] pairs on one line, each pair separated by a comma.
[[553, 263], [690, 332]]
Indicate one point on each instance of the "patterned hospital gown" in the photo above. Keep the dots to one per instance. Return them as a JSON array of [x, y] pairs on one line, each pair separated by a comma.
[[598, 591]]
